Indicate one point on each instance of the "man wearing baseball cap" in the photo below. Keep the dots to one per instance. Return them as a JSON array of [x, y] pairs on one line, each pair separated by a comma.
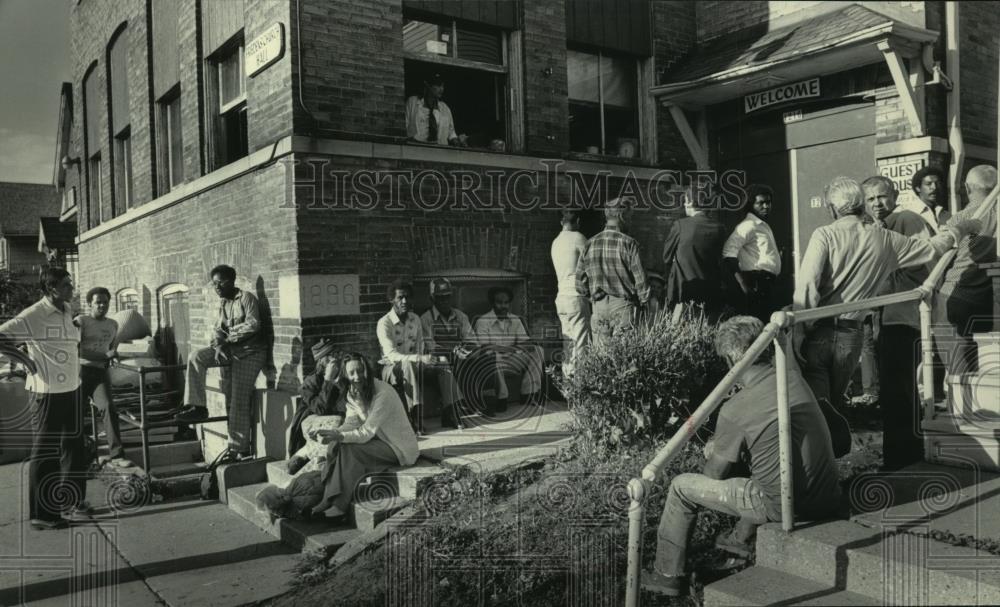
[[319, 403], [445, 329]]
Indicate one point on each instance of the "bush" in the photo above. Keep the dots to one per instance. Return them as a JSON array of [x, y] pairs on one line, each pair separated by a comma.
[[636, 387], [15, 295]]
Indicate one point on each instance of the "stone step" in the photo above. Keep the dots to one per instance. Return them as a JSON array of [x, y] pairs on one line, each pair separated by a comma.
[[181, 452], [890, 568], [303, 535], [988, 349], [976, 393], [763, 586], [406, 483], [970, 441]]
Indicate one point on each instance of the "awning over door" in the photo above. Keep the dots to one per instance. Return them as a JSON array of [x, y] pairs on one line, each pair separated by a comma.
[[754, 58]]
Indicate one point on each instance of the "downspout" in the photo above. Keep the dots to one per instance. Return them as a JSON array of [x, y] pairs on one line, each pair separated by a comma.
[[953, 69]]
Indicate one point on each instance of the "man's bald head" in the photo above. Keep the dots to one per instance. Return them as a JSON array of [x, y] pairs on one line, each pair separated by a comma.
[[979, 182]]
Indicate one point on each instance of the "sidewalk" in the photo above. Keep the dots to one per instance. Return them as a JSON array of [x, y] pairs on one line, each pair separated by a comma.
[[182, 552]]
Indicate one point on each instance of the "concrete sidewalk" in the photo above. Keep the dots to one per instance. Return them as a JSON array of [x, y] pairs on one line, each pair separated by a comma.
[[182, 552]]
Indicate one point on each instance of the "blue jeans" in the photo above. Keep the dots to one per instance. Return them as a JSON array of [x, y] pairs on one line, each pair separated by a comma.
[[831, 354], [740, 497]]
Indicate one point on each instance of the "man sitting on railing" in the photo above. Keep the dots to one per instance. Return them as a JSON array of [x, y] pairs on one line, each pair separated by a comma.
[[240, 347], [848, 261], [747, 431]]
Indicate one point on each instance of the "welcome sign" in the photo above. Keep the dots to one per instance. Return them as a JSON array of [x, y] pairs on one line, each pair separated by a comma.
[[781, 94]]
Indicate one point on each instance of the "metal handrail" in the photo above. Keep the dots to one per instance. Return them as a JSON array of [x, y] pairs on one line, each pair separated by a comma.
[[777, 331]]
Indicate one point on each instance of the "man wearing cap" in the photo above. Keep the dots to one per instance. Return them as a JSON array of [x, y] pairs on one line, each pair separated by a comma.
[[504, 334], [573, 310], [848, 261], [428, 117], [445, 329], [318, 406], [610, 273]]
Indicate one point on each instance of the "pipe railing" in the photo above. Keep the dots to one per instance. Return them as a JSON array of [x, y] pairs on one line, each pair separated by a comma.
[[777, 331]]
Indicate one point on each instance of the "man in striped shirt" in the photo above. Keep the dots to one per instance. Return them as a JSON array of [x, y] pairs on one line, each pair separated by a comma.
[[611, 274]]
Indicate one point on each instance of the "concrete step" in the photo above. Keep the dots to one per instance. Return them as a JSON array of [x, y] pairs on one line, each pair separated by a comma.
[[969, 441], [302, 535], [988, 349], [407, 483], [182, 452], [763, 586], [890, 568], [976, 394]]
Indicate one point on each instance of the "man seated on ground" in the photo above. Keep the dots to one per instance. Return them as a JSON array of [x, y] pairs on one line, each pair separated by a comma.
[[98, 350], [404, 364], [502, 333], [446, 329], [239, 344], [319, 408], [747, 430]]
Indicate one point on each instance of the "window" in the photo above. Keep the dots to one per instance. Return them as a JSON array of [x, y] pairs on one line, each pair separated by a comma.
[[603, 99], [473, 64], [123, 170], [175, 334], [94, 183], [230, 119], [118, 117], [127, 299], [171, 151], [92, 146], [3, 253]]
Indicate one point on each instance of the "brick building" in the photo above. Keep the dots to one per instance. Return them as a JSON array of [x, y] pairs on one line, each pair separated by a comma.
[[271, 135], [23, 209]]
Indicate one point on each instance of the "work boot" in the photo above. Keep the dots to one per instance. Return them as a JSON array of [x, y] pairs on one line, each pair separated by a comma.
[[667, 585], [450, 417]]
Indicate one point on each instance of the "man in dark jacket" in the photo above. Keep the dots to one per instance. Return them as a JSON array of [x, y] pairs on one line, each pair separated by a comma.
[[320, 396], [693, 254]]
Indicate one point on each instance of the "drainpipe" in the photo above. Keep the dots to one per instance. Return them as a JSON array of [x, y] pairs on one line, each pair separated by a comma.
[[952, 68]]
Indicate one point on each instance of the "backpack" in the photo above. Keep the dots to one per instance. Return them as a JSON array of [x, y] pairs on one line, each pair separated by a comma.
[[209, 485]]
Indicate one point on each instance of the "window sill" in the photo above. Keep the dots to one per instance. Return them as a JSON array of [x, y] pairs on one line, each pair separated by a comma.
[[608, 158]]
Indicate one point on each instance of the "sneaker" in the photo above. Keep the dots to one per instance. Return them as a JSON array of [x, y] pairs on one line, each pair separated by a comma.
[[47, 525], [121, 462], [191, 414], [667, 585]]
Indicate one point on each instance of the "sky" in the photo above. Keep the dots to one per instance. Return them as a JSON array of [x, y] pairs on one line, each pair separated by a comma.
[[34, 62]]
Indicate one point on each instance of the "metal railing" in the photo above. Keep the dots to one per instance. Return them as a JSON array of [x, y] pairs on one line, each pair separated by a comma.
[[777, 332]]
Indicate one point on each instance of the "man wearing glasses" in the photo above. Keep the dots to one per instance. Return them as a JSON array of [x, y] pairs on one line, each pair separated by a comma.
[[238, 345]]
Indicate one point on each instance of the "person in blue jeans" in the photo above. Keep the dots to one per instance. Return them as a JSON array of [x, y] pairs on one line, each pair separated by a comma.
[[747, 432]]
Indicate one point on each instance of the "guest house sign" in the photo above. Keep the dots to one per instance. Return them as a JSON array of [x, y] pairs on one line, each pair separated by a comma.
[[781, 94], [265, 49]]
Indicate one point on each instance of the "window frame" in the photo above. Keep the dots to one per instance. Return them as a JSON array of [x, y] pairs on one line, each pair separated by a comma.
[[127, 292], [220, 148], [169, 174], [510, 65], [95, 185], [645, 141], [122, 177]]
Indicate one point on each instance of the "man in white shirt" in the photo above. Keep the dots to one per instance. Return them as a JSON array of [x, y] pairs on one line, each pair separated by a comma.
[[751, 255], [504, 334], [428, 118], [405, 365], [58, 462], [572, 308], [932, 205]]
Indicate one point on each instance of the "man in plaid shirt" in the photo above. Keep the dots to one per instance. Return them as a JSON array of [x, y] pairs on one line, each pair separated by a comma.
[[238, 344], [611, 274]]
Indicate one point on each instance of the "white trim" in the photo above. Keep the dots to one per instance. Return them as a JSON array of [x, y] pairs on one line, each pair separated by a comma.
[[907, 98], [793, 167], [170, 289], [698, 153], [913, 145]]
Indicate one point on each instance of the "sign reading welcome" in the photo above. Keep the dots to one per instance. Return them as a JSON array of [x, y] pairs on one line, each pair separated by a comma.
[[781, 94], [265, 49]]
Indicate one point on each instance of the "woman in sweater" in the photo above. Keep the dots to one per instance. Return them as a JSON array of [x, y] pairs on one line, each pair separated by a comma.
[[376, 435]]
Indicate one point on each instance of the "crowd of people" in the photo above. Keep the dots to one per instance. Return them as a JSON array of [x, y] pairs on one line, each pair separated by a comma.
[[358, 415]]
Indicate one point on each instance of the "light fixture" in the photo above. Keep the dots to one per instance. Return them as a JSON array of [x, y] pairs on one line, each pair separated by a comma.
[[68, 162]]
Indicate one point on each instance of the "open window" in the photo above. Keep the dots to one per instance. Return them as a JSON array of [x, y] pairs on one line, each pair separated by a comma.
[[481, 83], [228, 106]]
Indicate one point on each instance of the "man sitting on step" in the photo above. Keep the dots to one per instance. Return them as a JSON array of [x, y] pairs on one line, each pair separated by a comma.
[[504, 335], [747, 430]]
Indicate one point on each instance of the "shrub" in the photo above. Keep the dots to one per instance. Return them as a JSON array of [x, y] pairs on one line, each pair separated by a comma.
[[637, 386], [15, 294]]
